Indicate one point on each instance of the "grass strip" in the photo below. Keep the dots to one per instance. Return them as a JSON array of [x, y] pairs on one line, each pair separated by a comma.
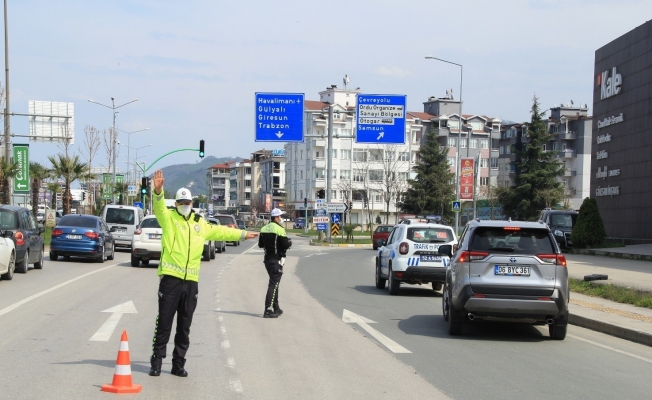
[[612, 292]]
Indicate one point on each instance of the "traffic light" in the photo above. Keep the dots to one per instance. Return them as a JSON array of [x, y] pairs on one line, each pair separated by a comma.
[[366, 201], [143, 185], [201, 148], [321, 194], [83, 196], [305, 202], [350, 206]]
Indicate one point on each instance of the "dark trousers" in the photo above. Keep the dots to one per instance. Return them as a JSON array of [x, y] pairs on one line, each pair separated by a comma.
[[174, 296], [275, 272]]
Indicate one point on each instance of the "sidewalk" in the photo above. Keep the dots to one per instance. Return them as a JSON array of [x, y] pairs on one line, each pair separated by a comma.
[[625, 266]]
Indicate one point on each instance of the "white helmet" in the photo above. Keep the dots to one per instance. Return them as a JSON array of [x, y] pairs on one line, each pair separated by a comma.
[[183, 194]]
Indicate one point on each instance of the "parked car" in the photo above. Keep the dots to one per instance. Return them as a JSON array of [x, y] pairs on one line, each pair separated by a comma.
[[7, 256], [561, 223], [241, 224], [507, 271], [146, 242], [26, 236], [219, 247], [122, 221], [299, 223], [380, 233], [40, 217], [228, 220], [84, 236], [410, 255]]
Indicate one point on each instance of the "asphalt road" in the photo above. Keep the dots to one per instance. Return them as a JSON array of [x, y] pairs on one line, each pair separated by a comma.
[[47, 318]]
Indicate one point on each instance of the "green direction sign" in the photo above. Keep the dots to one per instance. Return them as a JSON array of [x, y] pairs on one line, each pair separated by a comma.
[[107, 183], [21, 159]]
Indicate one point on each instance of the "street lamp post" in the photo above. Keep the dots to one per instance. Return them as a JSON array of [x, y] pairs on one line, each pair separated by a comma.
[[459, 138], [135, 159], [129, 140], [114, 108]]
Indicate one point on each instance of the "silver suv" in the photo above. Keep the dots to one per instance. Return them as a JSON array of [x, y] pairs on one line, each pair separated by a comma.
[[506, 271]]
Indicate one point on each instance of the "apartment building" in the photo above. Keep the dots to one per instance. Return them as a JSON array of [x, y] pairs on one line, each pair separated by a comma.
[[217, 184], [240, 189]]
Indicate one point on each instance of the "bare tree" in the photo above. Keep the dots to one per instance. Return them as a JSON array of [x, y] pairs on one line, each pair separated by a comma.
[[362, 163], [400, 187], [64, 146], [92, 144], [392, 165], [108, 139]]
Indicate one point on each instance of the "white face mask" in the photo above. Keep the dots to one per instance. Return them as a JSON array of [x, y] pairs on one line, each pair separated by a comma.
[[184, 209]]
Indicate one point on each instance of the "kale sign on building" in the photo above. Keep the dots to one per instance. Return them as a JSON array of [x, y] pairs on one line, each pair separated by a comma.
[[21, 159], [279, 117]]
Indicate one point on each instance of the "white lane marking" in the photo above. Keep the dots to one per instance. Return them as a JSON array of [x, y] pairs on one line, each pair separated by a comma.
[[220, 318], [53, 288], [610, 348], [353, 318], [225, 344], [230, 362], [223, 330], [106, 330], [235, 385], [218, 309], [316, 254]]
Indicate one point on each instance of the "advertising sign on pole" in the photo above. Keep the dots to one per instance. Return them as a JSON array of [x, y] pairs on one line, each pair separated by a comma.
[[466, 179], [50, 218], [21, 159]]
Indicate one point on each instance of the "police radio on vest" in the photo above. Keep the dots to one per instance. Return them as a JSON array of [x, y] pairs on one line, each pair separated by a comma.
[[609, 85]]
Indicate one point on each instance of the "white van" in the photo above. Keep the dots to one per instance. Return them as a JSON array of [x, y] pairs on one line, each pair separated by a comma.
[[122, 221]]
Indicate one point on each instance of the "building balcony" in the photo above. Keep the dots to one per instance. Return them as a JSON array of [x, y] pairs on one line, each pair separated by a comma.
[[320, 183], [568, 153], [319, 163], [320, 143], [569, 135], [570, 172]]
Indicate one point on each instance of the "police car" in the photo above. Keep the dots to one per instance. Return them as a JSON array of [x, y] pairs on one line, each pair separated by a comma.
[[410, 255]]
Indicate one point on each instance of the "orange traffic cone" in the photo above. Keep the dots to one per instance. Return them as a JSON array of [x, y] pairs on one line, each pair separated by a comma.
[[122, 377]]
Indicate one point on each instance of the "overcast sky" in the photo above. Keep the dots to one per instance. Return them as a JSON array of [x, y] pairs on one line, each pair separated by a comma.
[[195, 65]]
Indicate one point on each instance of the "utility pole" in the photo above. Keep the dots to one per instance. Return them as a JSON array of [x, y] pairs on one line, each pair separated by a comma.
[[9, 187]]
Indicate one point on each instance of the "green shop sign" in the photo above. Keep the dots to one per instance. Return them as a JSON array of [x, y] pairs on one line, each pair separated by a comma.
[[21, 159]]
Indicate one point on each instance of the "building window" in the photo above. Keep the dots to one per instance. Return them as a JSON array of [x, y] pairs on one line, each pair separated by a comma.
[[484, 181], [334, 154], [301, 174], [484, 162], [302, 154], [474, 143], [345, 132], [463, 143], [494, 163], [345, 154], [334, 173], [554, 146], [390, 155], [543, 147], [451, 161], [345, 174], [403, 176], [477, 126], [358, 175], [359, 156], [563, 146], [374, 155], [316, 154], [376, 175], [502, 150], [333, 194], [320, 173], [484, 143], [404, 156], [508, 149], [452, 142], [247, 183]]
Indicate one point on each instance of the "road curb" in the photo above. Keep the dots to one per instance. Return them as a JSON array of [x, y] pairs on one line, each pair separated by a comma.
[[339, 245], [611, 329], [606, 253]]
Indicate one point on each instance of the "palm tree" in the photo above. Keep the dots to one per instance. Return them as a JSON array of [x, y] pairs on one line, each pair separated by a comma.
[[7, 171], [38, 173], [69, 168], [54, 188], [121, 189]]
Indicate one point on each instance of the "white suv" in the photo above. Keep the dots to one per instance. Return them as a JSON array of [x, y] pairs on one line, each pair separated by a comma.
[[146, 242], [410, 255]]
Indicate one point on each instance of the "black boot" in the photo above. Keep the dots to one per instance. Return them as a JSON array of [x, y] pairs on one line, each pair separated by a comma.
[[156, 366], [177, 368], [270, 314]]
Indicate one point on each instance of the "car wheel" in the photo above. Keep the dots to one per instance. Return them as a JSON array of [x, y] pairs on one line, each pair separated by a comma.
[[145, 262], [100, 259], [67, 258], [224, 247], [436, 286], [53, 256], [393, 283], [9, 275], [444, 303], [39, 263], [375, 247], [112, 256], [213, 251], [237, 243], [135, 262], [21, 267], [455, 320], [557, 329], [206, 254], [219, 250], [380, 281]]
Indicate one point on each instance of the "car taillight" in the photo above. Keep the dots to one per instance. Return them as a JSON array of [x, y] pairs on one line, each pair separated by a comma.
[[472, 256], [138, 231], [57, 232], [20, 239], [558, 259], [91, 235], [403, 248]]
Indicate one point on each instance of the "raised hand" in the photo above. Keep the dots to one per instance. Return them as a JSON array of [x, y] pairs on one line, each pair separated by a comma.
[[251, 235], [158, 181]]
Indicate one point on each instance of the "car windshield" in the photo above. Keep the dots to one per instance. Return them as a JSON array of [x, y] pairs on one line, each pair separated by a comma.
[[563, 220], [122, 216], [8, 220], [225, 220], [383, 229], [214, 221], [77, 220], [150, 223], [429, 235], [512, 240]]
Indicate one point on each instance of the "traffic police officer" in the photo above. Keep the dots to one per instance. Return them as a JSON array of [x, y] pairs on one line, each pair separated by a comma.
[[275, 242], [184, 234]]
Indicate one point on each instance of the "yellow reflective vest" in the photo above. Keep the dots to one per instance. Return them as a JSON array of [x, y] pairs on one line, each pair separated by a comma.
[[183, 240]]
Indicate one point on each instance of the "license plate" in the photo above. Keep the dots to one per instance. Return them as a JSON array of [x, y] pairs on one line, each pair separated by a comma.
[[120, 231], [74, 236], [511, 270], [154, 236], [429, 258]]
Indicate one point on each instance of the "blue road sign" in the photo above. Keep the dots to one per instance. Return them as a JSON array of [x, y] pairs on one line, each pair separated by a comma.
[[457, 206], [322, 227], [138, 204], [279, 117], [381, 118], [321, 212], [335, 218]]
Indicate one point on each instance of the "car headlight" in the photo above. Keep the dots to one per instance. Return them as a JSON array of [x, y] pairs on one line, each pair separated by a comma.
[[559, 233]]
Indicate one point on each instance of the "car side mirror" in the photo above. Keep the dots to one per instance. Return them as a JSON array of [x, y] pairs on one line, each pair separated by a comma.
[[446, 250], [380, 242], [8, 234]]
